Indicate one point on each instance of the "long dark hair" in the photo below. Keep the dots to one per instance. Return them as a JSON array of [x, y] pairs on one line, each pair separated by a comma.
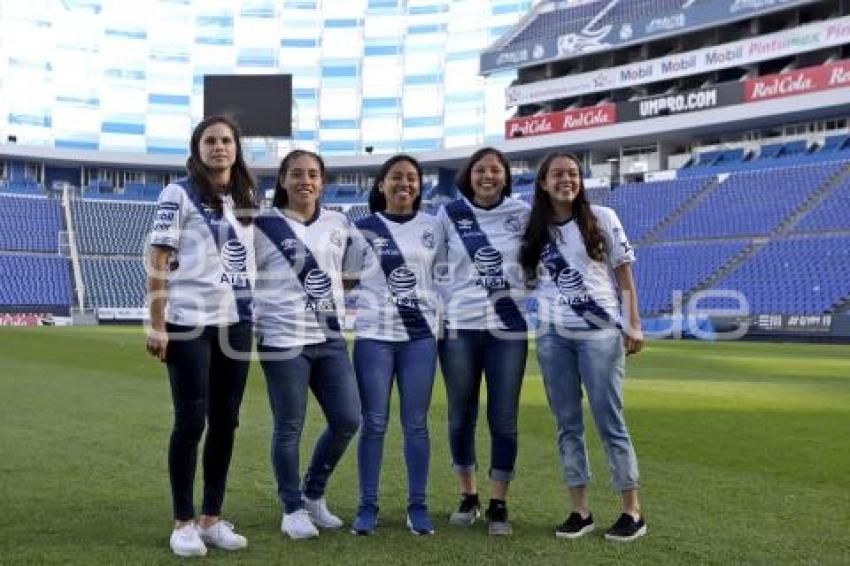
[[539, 229], [377, 200], [464, 176], [242, 183], [281, 198]]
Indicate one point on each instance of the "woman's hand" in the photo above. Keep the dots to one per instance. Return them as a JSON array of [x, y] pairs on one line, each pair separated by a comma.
[[157, 344], [633, 341]]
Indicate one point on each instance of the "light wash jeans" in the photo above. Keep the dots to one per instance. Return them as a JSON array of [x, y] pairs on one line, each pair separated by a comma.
[[596, 359]]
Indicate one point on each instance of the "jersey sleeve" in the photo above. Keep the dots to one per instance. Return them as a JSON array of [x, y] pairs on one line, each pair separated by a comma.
[[354, 259], [441, 257], [262, 246], [169, 218], [620, 251]]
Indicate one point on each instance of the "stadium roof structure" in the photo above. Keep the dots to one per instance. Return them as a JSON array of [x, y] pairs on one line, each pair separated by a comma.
[[556, 30]]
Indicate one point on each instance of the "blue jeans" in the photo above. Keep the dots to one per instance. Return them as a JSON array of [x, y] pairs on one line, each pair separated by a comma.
[[206, 387], [413, 363], [326, 370], [596, 359], [463, 359]]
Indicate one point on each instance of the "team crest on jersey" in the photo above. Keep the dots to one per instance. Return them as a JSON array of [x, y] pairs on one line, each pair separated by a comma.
[[336, 237], [402, 284], [234, 258], [488, 262], [513, 224], [319, 288], [289, 244], [428, 239]]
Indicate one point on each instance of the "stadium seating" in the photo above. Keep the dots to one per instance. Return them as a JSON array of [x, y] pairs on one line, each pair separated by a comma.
[[35, 280], [357, 212], [342, 194], [29, 224], [21, 186], [111, 227], [831, 213], [772, 155], [795, 275], [114, 282], [751, 203], [662, 270], [105, 230], [642, 206]]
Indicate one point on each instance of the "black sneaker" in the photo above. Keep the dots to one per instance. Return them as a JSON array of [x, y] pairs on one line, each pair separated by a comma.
[[575, 526], [497, 519], [467, 512], [626, 529]]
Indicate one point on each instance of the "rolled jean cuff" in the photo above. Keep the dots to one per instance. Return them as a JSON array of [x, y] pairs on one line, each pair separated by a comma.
[[465, 468], [501, 475], [628, 486]]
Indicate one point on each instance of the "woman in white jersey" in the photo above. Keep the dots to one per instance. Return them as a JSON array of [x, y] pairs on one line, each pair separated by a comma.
[[393, 256], [485, 328], [200, 272], [300, 306], [580, 258]]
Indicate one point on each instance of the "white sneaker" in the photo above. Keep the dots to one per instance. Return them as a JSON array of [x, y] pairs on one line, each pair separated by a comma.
[[221, 535], [186, 541], [297, 525], [320, 515]]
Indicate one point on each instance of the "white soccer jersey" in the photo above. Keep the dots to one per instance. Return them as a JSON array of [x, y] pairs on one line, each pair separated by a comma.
[[576, 291], [483, 286], [394, 261], [211, 271], [299, 295]]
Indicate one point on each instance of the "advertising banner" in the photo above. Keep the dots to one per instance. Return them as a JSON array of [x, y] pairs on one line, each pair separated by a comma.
[[564, 121], [717, 96], [25, 319], [606, 31], [747, 51], [800, 81]]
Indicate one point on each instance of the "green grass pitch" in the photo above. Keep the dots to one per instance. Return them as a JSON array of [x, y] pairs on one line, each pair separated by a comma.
[[744, 452]]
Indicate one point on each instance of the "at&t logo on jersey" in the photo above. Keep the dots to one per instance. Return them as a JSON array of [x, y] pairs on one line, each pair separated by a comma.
[[234, 258], [488, 262], [319, 288], [571, 287], [402, 284]]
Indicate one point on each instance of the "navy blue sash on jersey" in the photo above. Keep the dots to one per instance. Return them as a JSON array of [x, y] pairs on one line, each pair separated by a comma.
[[223, 233], [278, 230], [390, 258], [589, 310], [474, 238]]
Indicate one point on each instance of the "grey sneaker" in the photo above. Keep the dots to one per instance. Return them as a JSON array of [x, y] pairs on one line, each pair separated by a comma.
[[497, 519], [467, 512]]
